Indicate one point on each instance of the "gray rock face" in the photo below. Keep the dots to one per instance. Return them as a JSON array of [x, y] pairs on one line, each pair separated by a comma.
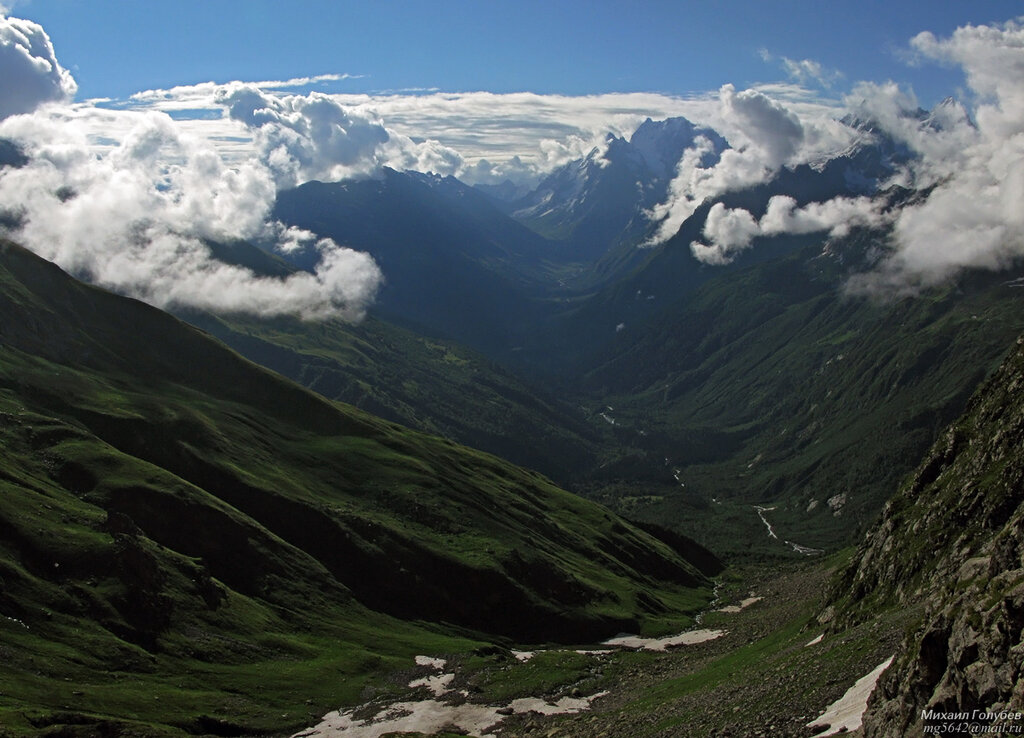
[[951, 543]]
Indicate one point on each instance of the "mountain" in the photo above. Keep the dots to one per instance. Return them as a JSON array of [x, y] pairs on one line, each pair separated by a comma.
[[504, 192], [597, 204], [950, 547], [190, 543], [429, 384], [632, 284], [455, 266], [769, 385], [841, 394]]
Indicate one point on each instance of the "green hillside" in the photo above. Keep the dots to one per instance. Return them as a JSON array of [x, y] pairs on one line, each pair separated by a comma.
[[771, 385], [175, 520], [425, 383]]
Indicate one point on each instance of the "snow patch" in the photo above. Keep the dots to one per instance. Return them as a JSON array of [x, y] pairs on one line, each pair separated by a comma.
[[438, 685], [845, 714], [805, 550], [432, 716], [433, 663], [742, 606], [688, 638]]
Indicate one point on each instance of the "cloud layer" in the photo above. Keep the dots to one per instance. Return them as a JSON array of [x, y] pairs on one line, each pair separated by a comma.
[[480, 137], [973, 217], [136, 213]]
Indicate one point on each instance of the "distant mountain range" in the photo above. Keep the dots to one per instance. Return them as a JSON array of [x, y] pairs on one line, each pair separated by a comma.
[[187, 535], [597, 205], [553, 286], [455, 265]]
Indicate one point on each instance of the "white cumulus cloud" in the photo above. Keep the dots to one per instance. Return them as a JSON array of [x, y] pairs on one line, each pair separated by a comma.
[[136, 217], [972, 216], [304, 137], [764, 135], [966, 161], [729, 231], [29, 70]]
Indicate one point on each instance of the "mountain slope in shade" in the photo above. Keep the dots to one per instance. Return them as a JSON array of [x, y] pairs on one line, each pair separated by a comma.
[[428, 384], [951, 543], [770, 386], [454, 265], [174, 515]]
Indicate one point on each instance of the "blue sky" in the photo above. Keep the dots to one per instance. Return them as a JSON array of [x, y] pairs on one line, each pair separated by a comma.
[[178, 122], [115, 48]]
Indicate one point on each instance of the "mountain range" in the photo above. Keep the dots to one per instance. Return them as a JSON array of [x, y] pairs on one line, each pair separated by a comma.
[[169, 505], [549, 430], [832, 383]]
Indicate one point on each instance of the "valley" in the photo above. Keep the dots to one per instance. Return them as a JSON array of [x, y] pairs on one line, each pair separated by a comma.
[[343, 414]]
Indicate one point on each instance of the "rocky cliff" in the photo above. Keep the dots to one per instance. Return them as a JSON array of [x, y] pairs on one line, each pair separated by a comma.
[[951, 543]]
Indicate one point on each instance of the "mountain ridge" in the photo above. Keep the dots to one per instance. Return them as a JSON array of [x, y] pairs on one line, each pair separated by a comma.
[[191, 513], [962, 570]]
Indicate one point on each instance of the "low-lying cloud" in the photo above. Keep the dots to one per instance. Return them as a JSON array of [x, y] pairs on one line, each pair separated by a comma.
[[728, 231], [967, 163], [972, 216], [764, 135], [137, 215]]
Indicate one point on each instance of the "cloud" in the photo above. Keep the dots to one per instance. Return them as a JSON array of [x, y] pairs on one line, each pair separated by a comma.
[[767, 126], [729, 230], [682, 197], [304, 137], [29, 69], [137, 218], [764, 135], [732, 230], [805, 71], [967, 164], [972, 215]]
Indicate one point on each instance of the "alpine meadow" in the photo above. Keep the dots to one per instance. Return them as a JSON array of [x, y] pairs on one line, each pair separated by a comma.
[[488, 369]]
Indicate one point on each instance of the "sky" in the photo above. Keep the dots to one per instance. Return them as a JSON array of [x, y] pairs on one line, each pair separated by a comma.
[[152, 128], [573, 47]]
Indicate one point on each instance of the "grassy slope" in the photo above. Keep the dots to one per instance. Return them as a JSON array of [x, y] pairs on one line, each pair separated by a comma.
[[428, 384], [177, 520], [768, 385], [761, 678]]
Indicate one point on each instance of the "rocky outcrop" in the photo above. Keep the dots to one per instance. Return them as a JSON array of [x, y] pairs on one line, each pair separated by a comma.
[[951, 543]]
